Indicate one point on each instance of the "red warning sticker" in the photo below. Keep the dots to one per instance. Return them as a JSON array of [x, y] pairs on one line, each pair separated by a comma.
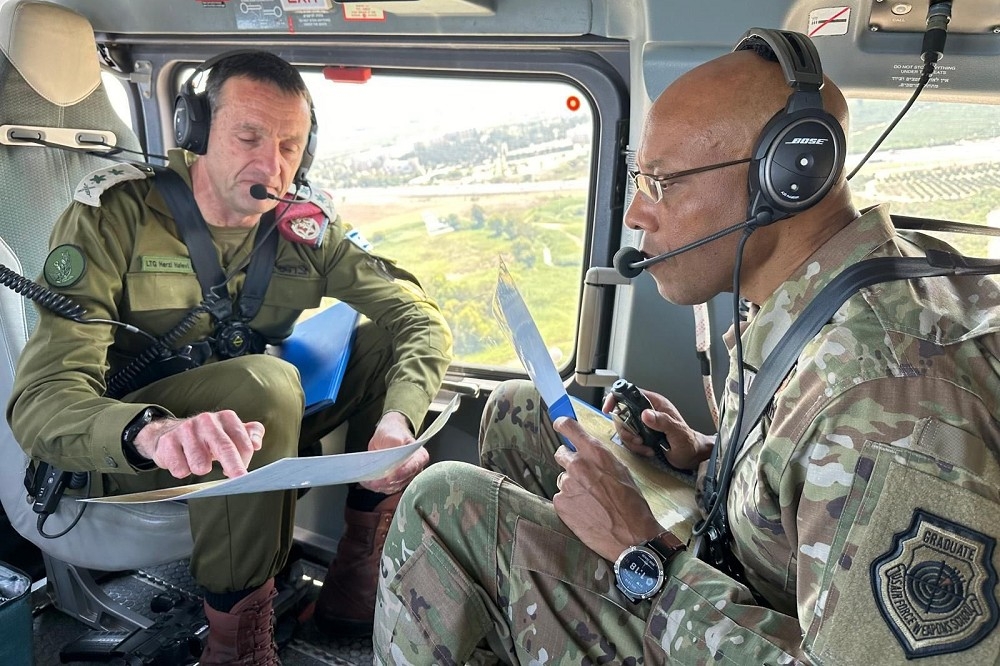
[[829, 21]]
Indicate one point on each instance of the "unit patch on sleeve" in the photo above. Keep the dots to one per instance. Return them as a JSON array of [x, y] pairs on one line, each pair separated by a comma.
[[64, 266], [94, 184], [303, 223], [936, 586]]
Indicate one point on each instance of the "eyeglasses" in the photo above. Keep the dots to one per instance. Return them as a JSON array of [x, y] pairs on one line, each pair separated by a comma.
[[652, 186]]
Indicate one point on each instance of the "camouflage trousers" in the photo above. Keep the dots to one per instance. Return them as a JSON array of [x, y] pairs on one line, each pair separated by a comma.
[[478, 568]]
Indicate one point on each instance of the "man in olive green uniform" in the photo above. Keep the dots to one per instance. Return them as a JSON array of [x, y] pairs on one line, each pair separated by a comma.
[[863, 509], [118, 253]]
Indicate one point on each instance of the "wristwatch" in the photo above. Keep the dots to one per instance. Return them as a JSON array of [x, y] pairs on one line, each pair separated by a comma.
[[131, 431], [639, 570]]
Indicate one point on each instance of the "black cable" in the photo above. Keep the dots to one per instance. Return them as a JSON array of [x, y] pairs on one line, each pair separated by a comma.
[[48, 299], [76, 476], [722, 487], [924, 78], [120, 383], [119, 149], [931, 50], [57, 303], [109, 154]]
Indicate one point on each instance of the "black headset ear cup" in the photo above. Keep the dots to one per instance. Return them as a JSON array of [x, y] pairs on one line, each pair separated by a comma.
[[801, 150], [192, 119], [795, 162]]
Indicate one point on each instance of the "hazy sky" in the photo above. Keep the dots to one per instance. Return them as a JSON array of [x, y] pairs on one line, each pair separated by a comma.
[[387, 106]]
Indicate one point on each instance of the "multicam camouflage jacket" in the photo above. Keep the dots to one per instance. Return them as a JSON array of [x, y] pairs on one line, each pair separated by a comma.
[[864, 507], [866, 504]]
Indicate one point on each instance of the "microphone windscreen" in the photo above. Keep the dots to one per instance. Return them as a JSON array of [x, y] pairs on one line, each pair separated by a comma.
[[258, 191], [624, 259]]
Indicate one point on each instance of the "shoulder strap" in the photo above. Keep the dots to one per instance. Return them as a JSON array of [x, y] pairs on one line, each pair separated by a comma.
[[192, 228], [261, 268], [194, 232], [779, 362]]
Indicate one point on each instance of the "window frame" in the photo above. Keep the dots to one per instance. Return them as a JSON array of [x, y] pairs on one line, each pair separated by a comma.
[[597, 67]]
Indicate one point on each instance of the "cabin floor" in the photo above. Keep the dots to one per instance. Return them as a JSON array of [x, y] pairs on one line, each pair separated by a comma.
[[56, 633]]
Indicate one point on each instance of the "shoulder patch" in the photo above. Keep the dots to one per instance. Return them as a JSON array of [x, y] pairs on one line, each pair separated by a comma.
[[94, 184], [935, 587], [64, 266], [306, 221], [355, 237]]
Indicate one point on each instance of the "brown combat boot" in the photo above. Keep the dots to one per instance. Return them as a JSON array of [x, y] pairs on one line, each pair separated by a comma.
[[245, 635], [346, 604]]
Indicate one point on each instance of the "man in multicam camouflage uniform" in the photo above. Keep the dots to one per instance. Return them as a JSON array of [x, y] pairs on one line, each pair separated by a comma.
[[863, 509]]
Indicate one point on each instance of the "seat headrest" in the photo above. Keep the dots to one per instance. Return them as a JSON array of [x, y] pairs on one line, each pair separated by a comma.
[[52, 48]]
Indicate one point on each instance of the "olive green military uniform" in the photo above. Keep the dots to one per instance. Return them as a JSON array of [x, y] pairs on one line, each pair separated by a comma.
[[135, 269], [864, 508]]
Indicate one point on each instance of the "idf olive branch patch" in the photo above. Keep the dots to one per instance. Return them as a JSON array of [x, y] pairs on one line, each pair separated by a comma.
[[64, 266], [936, 586]]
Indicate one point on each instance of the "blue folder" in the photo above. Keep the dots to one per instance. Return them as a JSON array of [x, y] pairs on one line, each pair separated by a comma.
[[320, 348]]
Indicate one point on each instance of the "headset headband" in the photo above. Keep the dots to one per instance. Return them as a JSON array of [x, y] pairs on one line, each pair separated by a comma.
[[192, 116], [795, 52], [188, 86], [802, 148]]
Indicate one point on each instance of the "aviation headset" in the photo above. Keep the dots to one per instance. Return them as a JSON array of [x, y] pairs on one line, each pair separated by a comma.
[[802, 148], [193, 117]]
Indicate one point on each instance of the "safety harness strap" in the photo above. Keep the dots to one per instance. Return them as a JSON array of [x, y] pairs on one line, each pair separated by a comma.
[[194, 232], [780, 361]]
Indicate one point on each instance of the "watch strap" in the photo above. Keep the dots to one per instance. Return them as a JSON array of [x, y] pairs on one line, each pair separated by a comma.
[[666, 545], [131, 431]]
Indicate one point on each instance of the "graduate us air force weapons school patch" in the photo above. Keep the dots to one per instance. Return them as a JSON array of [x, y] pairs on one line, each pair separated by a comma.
[[936, 586]]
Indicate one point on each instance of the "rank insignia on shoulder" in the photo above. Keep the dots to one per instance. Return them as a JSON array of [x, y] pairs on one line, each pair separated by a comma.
[[323, 199], [94, 184], [64, 266], [935, 587]]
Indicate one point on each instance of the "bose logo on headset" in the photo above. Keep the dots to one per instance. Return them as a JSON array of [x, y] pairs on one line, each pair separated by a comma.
[[193, 114], [801, 150]]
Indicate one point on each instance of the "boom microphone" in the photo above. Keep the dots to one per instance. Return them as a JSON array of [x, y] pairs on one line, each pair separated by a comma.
[[259, 192], [629, 261], [626, 262]]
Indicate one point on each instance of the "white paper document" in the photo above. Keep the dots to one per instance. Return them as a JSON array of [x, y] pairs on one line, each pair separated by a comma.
[[293, 473], [516, 321]]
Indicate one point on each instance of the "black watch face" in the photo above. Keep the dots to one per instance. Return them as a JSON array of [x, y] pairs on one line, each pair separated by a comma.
[[639, 573]]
